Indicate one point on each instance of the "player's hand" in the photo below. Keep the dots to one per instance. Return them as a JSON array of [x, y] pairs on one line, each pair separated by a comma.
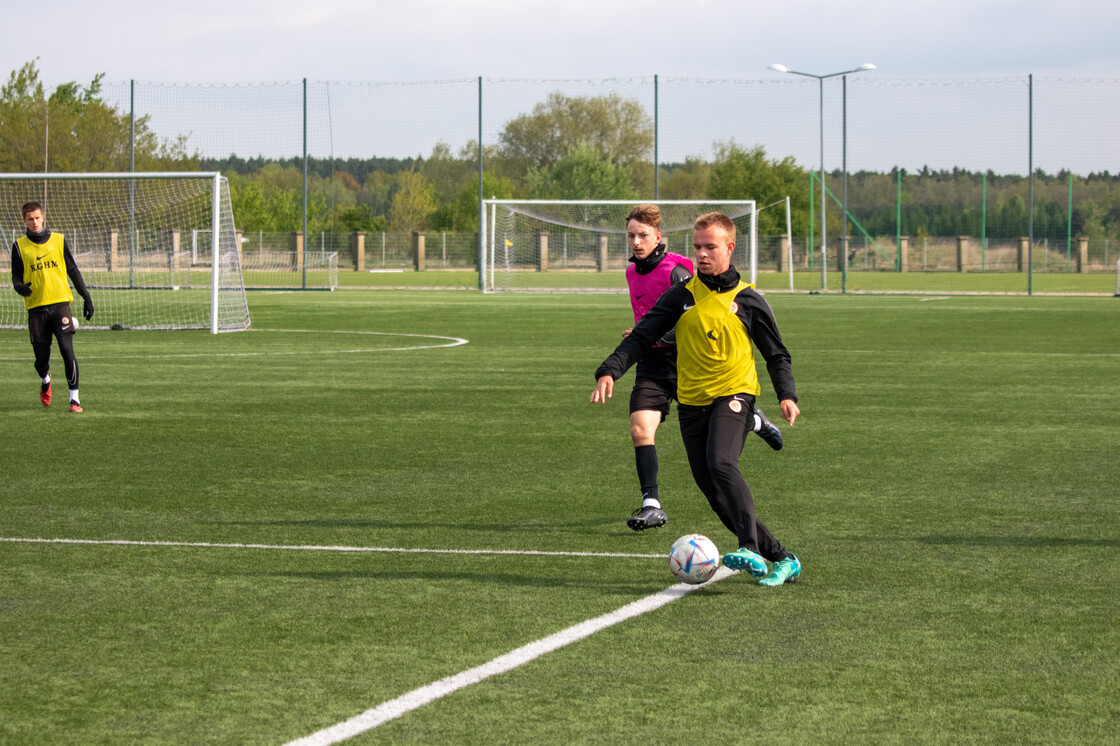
[[626, 333], [23, 289], [603, 391], [790, 410], [87, 307]]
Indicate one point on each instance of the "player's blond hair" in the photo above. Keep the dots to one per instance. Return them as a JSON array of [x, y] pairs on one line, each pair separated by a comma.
[[716, 220], [646, 213]]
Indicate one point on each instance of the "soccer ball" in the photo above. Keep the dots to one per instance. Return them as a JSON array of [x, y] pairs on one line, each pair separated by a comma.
[[693, 559]]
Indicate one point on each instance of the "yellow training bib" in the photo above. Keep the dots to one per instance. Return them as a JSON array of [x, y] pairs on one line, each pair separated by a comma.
[[44, 269], [715, 356]]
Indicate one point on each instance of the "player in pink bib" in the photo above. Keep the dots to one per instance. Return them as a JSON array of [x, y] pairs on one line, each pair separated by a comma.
[[653, 270]]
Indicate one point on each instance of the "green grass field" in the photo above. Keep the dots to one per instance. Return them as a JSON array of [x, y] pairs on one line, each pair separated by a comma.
[[951, 488]]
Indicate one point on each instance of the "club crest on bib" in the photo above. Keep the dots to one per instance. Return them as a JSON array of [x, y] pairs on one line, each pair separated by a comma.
[[735, 406], [734, 307], [65, 321]]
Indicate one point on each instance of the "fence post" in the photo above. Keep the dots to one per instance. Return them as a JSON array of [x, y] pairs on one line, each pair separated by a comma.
[[543, 250], [602, 252], [1082, 253], [418, 250], [783, 250], [297, 250], [111, 249], [1024, 250], [962, 242], [358, 244], [903, 251]]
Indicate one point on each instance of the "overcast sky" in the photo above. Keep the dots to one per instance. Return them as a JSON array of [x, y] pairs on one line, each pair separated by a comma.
[[249, 41]]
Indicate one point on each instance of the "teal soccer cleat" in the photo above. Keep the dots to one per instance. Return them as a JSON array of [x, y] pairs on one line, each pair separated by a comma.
[[783, 571], [745, 559]]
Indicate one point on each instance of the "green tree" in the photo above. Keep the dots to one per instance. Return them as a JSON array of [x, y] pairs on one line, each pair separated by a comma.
[[618, 130], [72, 129], [738, 173], [686, 181], [413, 203], [461, 213], [582, 174]]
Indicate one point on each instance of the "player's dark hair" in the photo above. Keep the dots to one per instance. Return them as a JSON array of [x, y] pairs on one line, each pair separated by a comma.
[[646, 213], [716, 220], [31, 207]]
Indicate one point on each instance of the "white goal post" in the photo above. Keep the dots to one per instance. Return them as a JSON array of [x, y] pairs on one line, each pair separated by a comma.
[[158, 250], [580, 245]]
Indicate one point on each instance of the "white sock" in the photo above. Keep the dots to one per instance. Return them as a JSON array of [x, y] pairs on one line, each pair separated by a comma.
[[757, 424], [74, 396], [651, 502], [47, 378]]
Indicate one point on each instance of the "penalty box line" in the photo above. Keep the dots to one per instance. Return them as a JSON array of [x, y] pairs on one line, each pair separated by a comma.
[[417, 698], [323, 548]]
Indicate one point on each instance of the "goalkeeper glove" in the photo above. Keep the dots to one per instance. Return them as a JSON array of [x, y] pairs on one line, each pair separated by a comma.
[[23, 289], [87, 307]]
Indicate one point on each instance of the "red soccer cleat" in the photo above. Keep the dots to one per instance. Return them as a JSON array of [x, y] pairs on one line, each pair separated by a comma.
[[45, 395], [75, 407]]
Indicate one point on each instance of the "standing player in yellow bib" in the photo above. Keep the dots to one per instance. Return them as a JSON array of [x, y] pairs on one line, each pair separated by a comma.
[[41, 262], [720, 320]]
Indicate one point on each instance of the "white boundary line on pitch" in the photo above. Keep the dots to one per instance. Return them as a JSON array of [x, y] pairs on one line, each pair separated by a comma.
[[320, 548], [451, 342], [424, 695], [417, 698]]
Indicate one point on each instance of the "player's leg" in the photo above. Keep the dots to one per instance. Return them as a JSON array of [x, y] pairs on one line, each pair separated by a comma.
[[70, 361], [648, 407], [43, 368], [41, 344], [767, 430], [694, 434], [730, 421]]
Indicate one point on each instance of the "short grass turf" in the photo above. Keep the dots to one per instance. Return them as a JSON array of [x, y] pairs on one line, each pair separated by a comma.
[[950, 488]]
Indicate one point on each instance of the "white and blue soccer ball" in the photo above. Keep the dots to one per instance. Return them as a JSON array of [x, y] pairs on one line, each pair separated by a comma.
[[693, 559]]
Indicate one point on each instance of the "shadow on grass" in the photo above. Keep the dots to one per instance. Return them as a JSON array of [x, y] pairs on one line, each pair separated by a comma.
[[1026, 542], [560, 580]]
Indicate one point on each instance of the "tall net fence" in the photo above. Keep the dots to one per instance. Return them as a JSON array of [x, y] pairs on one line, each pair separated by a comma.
[[938, 186]]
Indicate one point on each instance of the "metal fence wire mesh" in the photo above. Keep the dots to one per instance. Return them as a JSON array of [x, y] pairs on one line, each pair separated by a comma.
[[935, 173]]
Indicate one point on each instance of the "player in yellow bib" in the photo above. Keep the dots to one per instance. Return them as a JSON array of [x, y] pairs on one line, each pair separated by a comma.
[[41, 262], [720, 320]]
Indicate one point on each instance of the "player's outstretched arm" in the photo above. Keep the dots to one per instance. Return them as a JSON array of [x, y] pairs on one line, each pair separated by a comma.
[[603, 390]]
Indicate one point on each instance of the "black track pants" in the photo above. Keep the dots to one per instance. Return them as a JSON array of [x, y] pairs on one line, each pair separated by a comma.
[[713, 439]]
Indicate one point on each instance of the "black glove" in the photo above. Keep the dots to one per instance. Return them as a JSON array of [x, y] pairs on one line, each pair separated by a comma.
[[87, 307], [22, 288]]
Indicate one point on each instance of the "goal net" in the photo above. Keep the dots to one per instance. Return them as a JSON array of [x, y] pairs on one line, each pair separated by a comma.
[[580, 246], [157, 250]]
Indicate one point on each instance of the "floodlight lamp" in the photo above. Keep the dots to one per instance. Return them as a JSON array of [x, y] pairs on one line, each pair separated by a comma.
[[866, 66], [780, 67]]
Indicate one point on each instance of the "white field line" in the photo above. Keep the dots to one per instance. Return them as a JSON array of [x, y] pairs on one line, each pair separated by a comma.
[[322, 548], [417, 698], [450, 342]]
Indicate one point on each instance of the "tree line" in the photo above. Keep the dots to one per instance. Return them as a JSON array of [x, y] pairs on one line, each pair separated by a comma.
[[566, 147]]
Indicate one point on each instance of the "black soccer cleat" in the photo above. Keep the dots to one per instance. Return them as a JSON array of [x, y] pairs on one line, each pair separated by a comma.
[[647, 517], [769, 432]]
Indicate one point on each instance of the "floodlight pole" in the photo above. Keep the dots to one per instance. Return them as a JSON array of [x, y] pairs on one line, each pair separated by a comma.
[[820, 80]]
